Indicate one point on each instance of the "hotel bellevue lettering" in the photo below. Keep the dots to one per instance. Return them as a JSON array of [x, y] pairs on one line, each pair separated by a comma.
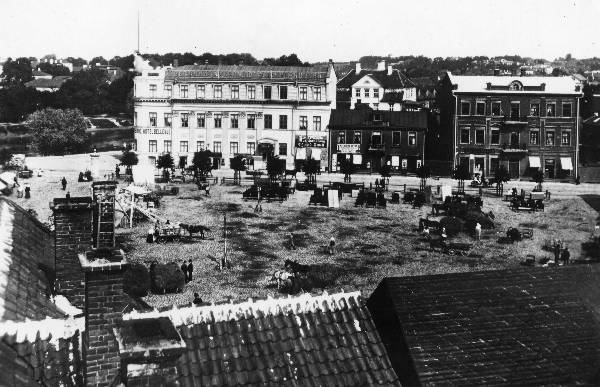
[[158, 131]]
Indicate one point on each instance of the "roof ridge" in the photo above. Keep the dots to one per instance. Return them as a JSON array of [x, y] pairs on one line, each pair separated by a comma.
[[51, 329], [251, 308]]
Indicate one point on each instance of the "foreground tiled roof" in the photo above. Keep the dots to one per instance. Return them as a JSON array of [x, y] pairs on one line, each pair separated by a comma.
[[193, 73], [342, 118], [26, 247], [511, 327], [325, 340], [396, 80]]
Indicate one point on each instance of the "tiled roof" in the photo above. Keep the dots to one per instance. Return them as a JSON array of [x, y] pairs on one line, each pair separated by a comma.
[[306, 340], [26, 246], [397, 80], [198, 73], [54, 83], [478, 84], [341, 118], [538, 326]]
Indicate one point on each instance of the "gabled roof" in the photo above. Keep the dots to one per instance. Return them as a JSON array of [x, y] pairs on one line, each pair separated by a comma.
[[514, 327], [500, 84], [344, 118], [305, 340], [397, 80], [26, 247], [191, 73], [54, 83]]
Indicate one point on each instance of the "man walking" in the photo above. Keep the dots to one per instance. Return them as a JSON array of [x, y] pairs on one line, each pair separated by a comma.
[[64, 183], [565, 256]]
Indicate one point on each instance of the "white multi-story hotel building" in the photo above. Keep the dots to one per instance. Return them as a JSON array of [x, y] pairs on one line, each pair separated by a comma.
[[229, 110]]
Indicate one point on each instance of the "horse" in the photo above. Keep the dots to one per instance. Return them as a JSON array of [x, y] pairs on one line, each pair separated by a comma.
[[281, 275], [295, 267], [194, 229]]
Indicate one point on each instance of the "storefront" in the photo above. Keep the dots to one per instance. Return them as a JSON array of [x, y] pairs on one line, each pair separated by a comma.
[[310, 147]]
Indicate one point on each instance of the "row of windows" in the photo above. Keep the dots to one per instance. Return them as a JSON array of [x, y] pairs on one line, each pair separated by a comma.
[[201, 92], [376, 138], [366, 92], [234, 147], [534, 137], [495, 109], [234, 121]]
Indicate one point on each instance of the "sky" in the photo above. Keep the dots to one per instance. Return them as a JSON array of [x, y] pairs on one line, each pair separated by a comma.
[[316, 30]]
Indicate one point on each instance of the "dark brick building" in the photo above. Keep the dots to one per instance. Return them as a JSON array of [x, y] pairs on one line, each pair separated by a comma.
[[373, 138], [523, 123]]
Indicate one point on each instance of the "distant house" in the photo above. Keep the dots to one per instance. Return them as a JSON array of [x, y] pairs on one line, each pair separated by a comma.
[[113, 72], [48, 84], [384, 88], [37, 74]]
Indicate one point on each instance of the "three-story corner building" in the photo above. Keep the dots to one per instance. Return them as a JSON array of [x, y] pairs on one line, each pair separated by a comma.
[[230, 110], [524, 123]]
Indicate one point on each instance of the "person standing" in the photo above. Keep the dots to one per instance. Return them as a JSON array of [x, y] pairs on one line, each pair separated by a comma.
[[190, 270], [478, 231], [184, 269], [150, 236], [565, 256], [19, 191], [197, 299], [27, 191], [64, 183], [292, 244], [556, 252]]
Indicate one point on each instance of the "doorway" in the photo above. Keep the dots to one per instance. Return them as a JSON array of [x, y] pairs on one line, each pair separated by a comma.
[[549, 169], [513, 169]]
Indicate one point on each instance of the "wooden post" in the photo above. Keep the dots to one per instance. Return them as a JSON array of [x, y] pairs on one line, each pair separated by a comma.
[[225, 240], [131, 210]]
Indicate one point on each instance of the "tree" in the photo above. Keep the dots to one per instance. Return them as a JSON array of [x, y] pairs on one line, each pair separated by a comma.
[[275, 167], [423, 173], [5, 155], [60, 132], [129, 158], [165, 162], [385, 171], [238, 164], [461, 173], [538, 177], [98, 60], [311, 168], [17, 71], [87, 91], [54, 69], [347, 168], [501, 177], [202, 163]]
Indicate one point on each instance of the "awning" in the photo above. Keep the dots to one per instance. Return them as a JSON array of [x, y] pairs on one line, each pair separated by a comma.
[[534, 162], [357, 159], [316, 153], [300, 153], [565, 164]]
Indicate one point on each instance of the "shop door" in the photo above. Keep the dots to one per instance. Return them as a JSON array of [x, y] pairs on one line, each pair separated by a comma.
[[549, 169], [216, 162], [513, 169], [478, 165]]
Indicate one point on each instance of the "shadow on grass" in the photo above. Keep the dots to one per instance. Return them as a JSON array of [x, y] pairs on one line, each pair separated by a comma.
[[594, 202]]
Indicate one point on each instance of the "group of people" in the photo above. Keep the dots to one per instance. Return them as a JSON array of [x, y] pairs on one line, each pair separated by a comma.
[[155, 231], [561, 252], [187, 269], [22, 189]]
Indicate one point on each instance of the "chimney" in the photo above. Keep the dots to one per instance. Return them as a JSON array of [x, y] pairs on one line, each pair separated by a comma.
[[496, 72], [175, 62], [389, 70], [381, 65], [73, 235], [357, 69]]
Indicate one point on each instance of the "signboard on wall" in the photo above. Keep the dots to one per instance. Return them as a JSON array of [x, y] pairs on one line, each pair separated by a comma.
[[157, 131], [348, 148], [310, 142]]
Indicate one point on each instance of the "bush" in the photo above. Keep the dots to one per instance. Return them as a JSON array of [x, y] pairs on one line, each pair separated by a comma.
[[472, 218], [136, 280], [167, 278], [452, 224]]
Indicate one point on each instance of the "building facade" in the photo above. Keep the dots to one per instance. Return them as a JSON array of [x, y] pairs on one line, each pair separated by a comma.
[[372, 138], [523, 123], [231, 110]]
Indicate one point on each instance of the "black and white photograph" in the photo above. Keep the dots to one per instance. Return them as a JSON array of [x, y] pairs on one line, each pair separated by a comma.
[[299, 193]]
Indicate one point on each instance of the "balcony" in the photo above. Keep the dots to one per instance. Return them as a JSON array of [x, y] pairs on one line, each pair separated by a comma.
[[514, 148], [514, 119], [376, 146]]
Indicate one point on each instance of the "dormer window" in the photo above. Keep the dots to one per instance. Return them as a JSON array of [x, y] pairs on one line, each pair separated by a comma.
[[515, 86]]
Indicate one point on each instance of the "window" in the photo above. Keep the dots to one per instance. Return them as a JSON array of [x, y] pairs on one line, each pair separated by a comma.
[[534, 109], [566, 109], [341, 137], [282, 149], [317, 93], [152, 147], [183, 146], [376, 139], [303, 122], [218, 91], [396, 138], [480, 108], [167, 146], [479, 136], [251, 121], [183, 91], [268, 121], [376, 93], [283, 122], [494, 164], [234, 148], [357, 137], [135, 121], [234, 121], [267, 92], [201, 120], [357, 92], [200, 91], [550, 138], [565, 138], [495, 136], [168, 120], [251, 147], [218, 120], [235, 92], [168, 90], [152, 119], [534, 137], [367, 93], [317, 123], [217, 146], [152, 90], [412, 138], [515, 109], [152, 160], [496, 108], [303, 93], [199, 146], [251, 92], [184, 120], [465, 108], [465, 136], [551, 109], [282, 92]]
